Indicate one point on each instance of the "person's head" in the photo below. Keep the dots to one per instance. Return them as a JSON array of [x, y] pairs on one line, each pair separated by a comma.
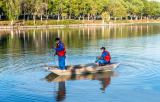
[[57, 40], [103, 49]]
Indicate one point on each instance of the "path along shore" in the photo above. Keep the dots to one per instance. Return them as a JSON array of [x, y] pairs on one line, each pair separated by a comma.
[[59, 26], [68, 26]]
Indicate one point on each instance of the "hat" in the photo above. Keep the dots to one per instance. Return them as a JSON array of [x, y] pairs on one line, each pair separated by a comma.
[[57, 39], [102, 48]]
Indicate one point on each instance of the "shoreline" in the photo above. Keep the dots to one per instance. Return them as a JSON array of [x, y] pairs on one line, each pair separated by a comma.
[[60, 26], [69, 26]]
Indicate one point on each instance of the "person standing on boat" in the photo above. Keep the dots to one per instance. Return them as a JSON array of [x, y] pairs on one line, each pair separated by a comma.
[[60, 51], [104, 58]]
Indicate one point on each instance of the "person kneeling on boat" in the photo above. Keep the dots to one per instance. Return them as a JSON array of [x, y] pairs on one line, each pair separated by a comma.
[[60, 51], [104, 58]]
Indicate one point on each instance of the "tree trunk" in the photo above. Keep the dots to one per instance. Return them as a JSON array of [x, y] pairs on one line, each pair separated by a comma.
[[70, 16], [34, 19], [83, 18], [115, 19], [58, 16], [147, 19], [109, 16], [46, 13], [131, 17], [27, 17], [88, 16], [102, 20], [141, 16], [127, 17], [0, 17], [24, 18], [79, 18], [41, 16], [46, 18]]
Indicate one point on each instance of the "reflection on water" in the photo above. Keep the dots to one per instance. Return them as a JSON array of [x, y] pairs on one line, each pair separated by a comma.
[[104, 78], [74, 38], [136, 47], [61, 94]]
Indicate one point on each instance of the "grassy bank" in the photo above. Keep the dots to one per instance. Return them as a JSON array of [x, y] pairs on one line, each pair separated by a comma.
[[39, 22], [66, 22]]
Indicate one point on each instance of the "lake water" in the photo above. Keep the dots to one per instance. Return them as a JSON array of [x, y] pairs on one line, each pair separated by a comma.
[[136, 79]]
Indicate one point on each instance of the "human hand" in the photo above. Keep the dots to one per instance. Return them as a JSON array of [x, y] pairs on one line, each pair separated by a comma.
[[53, 47], [54, 55], [96, 61]]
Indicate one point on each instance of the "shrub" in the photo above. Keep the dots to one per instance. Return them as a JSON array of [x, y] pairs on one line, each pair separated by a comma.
[[64, 22], [105, 16], [39, 23], [31, 23]]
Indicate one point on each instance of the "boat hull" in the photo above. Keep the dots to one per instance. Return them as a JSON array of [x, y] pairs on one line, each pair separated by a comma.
[[80, 69]]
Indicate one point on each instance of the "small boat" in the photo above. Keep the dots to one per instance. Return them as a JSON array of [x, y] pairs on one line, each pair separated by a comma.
[[81, 69]]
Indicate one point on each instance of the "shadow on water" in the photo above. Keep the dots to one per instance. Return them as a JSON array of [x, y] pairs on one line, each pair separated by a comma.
[[104, 78]]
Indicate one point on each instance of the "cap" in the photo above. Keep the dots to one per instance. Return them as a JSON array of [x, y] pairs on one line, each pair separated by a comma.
[[103, 48], [57, 39]]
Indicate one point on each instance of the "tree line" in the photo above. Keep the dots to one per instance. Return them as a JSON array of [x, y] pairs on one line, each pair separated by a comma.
[[65, 9]]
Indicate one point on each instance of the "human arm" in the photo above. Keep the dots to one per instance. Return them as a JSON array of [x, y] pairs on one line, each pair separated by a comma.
[[104, 54], [56, 53], [60, 47], [99, 57]]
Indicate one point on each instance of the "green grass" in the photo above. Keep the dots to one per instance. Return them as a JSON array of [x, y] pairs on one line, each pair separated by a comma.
[[122, 21], [39, 22], [147, 24]]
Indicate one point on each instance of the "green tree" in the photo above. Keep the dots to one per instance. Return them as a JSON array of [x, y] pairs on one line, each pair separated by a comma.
[[130, 9], [124, 8], [106, 4], [146, 8], [12, 8], [152, 10], [121, 12], [139, 4], [157, 8], [97, 7], [105, 17], [59, 6], [72, 8], [88, 8]]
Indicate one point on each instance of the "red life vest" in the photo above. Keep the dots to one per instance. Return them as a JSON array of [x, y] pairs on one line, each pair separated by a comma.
[[61, 53], [107, 57]]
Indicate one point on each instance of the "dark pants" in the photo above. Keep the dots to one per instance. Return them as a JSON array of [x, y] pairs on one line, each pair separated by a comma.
[[62, 62]]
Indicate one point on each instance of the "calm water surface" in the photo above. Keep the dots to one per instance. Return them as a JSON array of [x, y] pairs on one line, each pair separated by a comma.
[[136, 79]]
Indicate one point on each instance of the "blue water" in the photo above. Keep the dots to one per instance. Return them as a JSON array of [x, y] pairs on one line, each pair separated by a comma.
[[136, 79]]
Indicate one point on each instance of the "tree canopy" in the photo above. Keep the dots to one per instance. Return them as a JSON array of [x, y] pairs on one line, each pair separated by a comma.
[[12, 9]]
